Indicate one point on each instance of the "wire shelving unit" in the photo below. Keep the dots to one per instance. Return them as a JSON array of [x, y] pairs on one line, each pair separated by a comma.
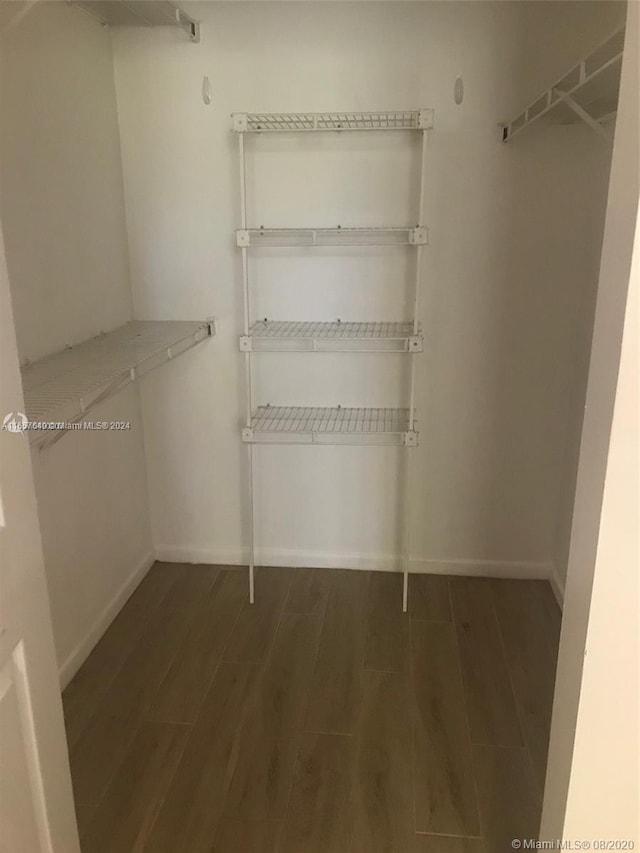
[[306, 425], [287, 122], [61, 389], [284, 237], [294, 336], [141, 13], [339, 425], [588, 92]]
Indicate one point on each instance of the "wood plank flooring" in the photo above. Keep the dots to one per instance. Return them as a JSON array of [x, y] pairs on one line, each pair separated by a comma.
[[318, 720]]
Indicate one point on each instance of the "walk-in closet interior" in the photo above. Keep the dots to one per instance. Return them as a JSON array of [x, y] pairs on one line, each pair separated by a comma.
[[304, 296]]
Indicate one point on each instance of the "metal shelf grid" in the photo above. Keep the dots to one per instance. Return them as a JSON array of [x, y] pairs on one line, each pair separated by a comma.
[[305, 122], [305, 425], [588, 92], [283, 237], [62, 388], [141, 13], [293, 336]]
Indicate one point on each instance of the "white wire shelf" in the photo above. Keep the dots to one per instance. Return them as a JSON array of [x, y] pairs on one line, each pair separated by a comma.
[[293, 336], [305, 425], [141, 13], [283, 237], [333, 121], [588, 92], [61, 389]]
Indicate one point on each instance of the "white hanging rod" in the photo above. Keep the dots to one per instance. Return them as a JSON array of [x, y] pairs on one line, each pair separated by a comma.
[[140, 13], [333, 121], [277, 237], [330, 425], [591, 70]]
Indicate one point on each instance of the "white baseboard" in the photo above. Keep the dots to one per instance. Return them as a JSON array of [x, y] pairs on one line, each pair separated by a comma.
[[365, 562], [557, 585], [82, 651]]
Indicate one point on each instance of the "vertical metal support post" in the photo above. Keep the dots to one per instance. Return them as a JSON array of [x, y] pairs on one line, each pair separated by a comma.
[[247, 360], [416, 328]]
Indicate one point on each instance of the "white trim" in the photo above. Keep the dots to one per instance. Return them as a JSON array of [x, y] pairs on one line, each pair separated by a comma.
[[529, 570], [557, 585], [84, 648]]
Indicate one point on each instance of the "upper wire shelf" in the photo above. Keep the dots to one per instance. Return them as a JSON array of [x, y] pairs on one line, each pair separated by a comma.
[[588, 92], [61, 389], [297, 336], [333, 121], [282, 237], [306, 425], [141, 13]]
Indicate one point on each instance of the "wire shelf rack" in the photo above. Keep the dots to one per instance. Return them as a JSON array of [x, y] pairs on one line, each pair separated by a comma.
[[61, 389], [305, 425], [334, 121], [327, 426], [294, 336], [283, 237], [588, 92], [141, 13]]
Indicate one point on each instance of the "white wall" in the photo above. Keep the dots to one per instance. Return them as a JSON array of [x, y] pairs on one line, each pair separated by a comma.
[[62, 181], [602, 803], [515, 240], [61, 200], [592, 783], [564, 45]]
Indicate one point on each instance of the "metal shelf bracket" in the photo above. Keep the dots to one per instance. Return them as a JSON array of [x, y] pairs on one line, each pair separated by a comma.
[[240, 122], [425, 119], [411, 438], [586, 117], [190, 27], [418, 236]]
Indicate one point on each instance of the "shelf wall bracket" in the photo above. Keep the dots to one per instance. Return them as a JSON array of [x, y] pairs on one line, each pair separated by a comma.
[[418, 236], [586, 117], [190, 27], [410, 438], [425, 119], [240, 122]]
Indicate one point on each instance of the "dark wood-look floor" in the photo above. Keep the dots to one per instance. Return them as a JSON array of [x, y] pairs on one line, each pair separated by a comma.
[[319, 720]]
